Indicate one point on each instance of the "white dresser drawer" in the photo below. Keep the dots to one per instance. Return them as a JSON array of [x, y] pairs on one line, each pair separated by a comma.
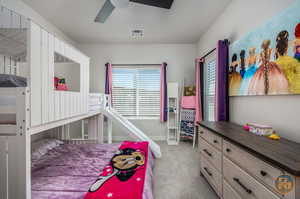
[[261, 170], [211, 153], [229, 192], [210, 137], [245, 185], [213, 176]]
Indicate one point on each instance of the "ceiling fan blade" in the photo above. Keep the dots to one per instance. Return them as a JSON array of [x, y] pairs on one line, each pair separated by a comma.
[[105, 12], [167, 4]]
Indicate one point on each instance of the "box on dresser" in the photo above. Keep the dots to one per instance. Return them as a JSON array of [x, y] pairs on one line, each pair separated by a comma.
[[250, 166]]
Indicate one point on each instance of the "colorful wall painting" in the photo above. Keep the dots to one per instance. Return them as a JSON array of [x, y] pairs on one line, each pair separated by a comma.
[[267, 60]]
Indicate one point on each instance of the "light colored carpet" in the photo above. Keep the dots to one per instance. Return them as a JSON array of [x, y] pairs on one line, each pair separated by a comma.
[[177, 174]]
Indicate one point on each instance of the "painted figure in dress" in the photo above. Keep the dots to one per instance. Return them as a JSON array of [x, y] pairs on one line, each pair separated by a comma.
[[289, 65], [250, 71], [234, 77], [243, 63], [269, 78]]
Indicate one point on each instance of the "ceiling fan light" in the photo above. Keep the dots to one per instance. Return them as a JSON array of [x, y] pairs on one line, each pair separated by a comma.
[[120, 3]]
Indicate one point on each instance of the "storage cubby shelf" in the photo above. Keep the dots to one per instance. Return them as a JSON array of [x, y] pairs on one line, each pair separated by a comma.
[[173, 117]]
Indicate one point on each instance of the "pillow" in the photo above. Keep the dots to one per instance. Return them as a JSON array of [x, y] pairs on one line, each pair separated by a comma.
[[41, 147]]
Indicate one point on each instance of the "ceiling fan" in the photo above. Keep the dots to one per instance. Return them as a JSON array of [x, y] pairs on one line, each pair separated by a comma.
[[110, 5]]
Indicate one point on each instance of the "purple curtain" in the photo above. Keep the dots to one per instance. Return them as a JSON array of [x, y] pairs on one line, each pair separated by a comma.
[[222, 98], [163, 93], [108, 79]]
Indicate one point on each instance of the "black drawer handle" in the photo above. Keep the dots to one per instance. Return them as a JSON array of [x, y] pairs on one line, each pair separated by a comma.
[[208, 153], [207, 171], [228, 150], [263, 173], [215, 141], [249, 191]]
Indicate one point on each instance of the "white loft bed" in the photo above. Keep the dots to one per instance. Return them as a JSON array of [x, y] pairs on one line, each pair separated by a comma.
[[25, 111]]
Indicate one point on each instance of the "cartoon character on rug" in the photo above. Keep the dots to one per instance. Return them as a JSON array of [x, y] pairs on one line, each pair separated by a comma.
[[120, 177]]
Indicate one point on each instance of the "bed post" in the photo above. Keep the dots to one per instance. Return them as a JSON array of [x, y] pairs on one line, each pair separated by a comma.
[[95, 128], [92, 128], [19, 151], [109, 127], [82, 128], [108, 104], [100, 123]]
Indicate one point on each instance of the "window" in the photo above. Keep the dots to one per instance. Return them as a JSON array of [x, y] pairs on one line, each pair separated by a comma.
[[136, 92], [209, 89]]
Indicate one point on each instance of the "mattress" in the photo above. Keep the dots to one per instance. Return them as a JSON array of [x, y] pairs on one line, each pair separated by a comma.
[[68, 171], [8, 122], [12, 81], [7, 119]]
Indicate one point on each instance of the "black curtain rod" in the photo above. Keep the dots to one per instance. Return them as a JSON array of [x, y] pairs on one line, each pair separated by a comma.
[[210, 52], [213, 50]]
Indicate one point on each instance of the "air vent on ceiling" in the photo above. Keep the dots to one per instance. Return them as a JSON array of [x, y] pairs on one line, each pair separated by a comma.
[[137, 33]]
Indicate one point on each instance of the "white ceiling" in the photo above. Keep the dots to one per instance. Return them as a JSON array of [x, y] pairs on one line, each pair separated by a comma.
[[184, 23]]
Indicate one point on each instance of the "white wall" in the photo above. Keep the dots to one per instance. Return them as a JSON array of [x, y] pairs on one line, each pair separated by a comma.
[[180, 59], [20, 7], [238, 19]]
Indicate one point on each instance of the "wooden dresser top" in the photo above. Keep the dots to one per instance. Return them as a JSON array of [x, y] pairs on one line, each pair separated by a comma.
[[282, 153]]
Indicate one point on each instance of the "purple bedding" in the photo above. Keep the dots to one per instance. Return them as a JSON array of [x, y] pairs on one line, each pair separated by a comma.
[[68, 171]]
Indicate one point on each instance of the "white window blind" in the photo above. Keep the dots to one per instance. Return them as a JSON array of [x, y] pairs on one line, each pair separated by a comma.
[[136, 91], [210, 90]]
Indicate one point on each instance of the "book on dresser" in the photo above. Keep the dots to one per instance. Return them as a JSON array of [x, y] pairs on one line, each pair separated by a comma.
[[241, 165]]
